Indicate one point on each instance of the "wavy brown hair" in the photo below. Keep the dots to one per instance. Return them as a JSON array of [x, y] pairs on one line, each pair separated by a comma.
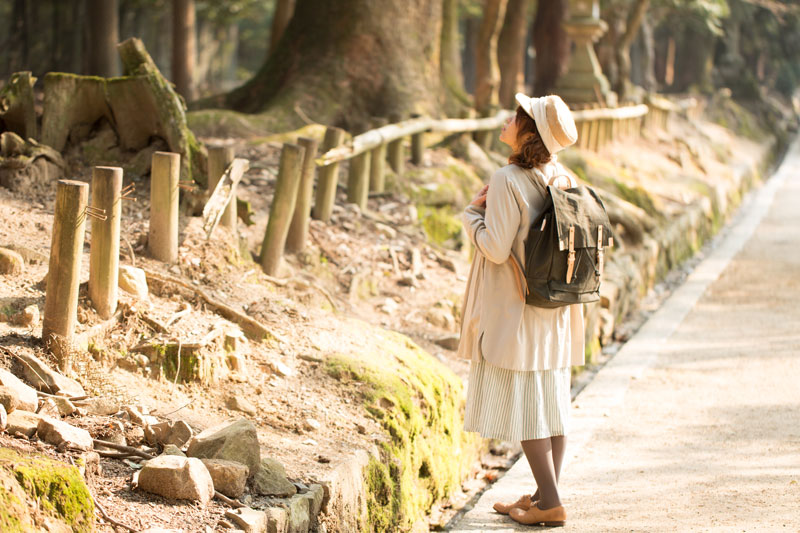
[[532, 151]]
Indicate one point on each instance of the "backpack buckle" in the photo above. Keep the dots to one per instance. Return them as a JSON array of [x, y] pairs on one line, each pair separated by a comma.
[[571, 256], [600, 253]]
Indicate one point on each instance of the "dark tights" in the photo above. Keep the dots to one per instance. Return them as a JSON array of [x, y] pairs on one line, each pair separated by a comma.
[[545, 457]]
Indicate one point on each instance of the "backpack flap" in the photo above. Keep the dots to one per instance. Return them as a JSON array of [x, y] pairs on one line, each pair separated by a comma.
[[581, 212]]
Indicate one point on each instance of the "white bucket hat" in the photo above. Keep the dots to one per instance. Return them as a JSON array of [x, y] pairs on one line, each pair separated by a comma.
[[553, 120]]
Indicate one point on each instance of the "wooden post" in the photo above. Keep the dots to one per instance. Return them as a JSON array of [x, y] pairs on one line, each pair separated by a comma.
[[328, 176], [583, 137], [104, 254], [298, 230], [394, 150], [162, 239], [282, 208], [417, 146], [219, 157], [377, 165], [358, 180], [63, 277], [594, 135]]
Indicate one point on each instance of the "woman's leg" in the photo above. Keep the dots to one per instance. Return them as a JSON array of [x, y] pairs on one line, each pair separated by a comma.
[[559, 444], [539, 453]]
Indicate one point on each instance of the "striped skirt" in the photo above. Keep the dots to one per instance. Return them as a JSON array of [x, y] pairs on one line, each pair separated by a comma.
[[515, 405]]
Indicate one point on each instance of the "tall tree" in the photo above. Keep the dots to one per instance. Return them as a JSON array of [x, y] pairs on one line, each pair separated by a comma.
[[511, 48], [551, 44], [487, 71], [184, 55], [284, 9], [450, 58], [345, 61], [103, 38], [623, 49]]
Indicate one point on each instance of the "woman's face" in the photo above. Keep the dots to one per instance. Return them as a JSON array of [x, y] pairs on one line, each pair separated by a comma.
[[508, 134]]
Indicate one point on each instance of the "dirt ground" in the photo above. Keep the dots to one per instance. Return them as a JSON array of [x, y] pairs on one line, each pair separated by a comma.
[[352, 272]]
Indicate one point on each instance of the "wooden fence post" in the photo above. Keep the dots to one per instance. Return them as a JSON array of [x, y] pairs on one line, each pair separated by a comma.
[[298, 230], [417, 146], [358, 180], [395, 151], [104, 253], [219, 157], [162, 238], [282, 208], [327, 177], [63, 277], [377, 165]]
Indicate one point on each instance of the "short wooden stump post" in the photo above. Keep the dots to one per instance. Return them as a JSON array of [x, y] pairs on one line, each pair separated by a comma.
[[219, 157], [63, 277], [162, 240], [282, 208], [104, 253], [358, 180], [395, 152], [298, 230], [377, 164], [328, 177]]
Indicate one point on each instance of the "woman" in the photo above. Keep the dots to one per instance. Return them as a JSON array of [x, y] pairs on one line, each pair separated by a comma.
[[519, 381]]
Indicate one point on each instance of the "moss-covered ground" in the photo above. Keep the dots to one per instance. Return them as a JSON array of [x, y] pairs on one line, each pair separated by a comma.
[[419, 404]]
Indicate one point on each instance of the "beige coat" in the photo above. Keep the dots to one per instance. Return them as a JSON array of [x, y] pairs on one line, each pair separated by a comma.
[[496, 322]]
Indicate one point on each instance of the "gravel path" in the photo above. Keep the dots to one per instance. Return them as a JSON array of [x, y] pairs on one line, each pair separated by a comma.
[[695, 424]]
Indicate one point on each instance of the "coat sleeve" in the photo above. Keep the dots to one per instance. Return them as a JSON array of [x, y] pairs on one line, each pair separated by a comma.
[[492, 230]]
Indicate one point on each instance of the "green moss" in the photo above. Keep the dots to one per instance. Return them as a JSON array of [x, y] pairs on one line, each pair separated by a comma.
[[636, 196], [591, 350], [419, 404], [58, 489], [440, 224]]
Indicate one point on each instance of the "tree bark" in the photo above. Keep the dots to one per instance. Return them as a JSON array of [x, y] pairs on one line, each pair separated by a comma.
[[450, 59], [511, 47], [184, 54], [551, 44], [346, 61], [284, 9], [103, 38], [648, 56], [487, 71], [623, 50]]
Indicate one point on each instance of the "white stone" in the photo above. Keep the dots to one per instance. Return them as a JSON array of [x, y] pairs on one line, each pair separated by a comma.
[[180, 478], [229, 477], [27, 399], [133, 280], [57, 433], [248, 520]]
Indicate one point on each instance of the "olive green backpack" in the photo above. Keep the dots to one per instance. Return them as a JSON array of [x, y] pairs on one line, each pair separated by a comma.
[[565, 248]]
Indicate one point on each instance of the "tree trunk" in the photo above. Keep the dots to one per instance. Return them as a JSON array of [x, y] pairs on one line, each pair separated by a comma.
[[284, 9], [487, 72], [450, 59], [648, 56], [472, 27], [551, 44], [623, 51], [511, 47], [183, 47], [103, 38], [346, 61]]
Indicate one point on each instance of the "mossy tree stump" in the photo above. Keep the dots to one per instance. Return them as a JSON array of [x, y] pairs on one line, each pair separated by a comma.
[[17, 111]]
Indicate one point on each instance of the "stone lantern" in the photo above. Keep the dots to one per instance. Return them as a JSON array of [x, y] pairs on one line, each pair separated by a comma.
[[584, 82]]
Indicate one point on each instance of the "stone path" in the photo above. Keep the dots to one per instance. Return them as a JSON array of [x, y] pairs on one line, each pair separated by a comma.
[[695, 424]]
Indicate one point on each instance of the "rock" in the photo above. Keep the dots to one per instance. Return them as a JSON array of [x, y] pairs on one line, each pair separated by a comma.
[[270, 480], [248, 520], [99, 406], [11, 262], [89, 464], [48, 408], [238, 403], [299, 517], [41, 376], [229, 477], [282, 369], [114, 432], [139, 418], [448, 342], [64, 406], [440, 317], [386, 231], [176, 433], [28, 317], [27, 399], [315, 495], [607, 324], [8, 399], [171, 449], [311, 424], [236, 362], [179, 478], [133, 281], [23, 422], [389, 306], [59, 433], [233, 441], [3, 418]]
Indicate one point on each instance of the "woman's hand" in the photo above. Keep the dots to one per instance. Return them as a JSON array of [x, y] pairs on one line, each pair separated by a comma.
[[480, 199]]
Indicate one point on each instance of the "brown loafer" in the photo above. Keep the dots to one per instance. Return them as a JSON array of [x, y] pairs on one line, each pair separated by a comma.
[[525, 502], [555, 516]]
